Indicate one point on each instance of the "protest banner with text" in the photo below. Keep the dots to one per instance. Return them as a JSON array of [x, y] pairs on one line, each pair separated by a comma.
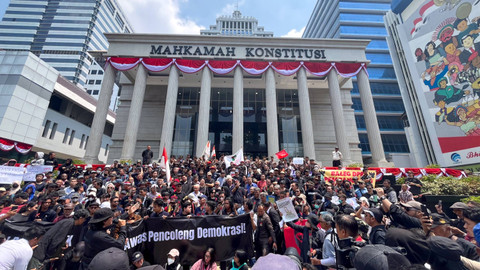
[[346, 174], [155, 237]]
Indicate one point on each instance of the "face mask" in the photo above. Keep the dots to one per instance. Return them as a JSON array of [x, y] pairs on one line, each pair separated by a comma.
[[170, 261], [317, 206], [340, 201]]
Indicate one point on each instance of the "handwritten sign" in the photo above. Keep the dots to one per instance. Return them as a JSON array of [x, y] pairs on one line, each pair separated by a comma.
[[32, 171], [298, 160], [9, 174]]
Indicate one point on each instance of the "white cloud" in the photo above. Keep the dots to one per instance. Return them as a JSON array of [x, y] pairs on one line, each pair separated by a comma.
[[230, 8], [295, 33], [159, 17]]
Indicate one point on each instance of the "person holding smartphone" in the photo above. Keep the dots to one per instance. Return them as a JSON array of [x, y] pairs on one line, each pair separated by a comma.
[[407, 217]]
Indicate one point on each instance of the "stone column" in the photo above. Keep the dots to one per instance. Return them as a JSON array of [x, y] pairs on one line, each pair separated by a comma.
[[203, 111], [166, 139], [305, 114], [237, 128], [134, 114], [272, 117], [373, 131], [100, 117], [338, 119]]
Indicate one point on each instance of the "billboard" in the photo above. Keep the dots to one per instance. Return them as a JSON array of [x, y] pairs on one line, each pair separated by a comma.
[[442, 48]]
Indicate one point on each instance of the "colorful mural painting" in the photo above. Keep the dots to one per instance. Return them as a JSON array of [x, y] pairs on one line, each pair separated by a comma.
[[442, 38]]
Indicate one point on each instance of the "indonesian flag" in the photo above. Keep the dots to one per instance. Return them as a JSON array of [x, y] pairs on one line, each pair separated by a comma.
[[206, 151], [282, 154], [235, 158], [164, 164], [213, 152]]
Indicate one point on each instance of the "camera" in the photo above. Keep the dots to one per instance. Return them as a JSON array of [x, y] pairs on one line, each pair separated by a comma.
[[345, 253]]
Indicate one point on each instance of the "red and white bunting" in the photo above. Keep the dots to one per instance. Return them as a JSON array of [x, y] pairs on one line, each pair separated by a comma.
[[223, 67]]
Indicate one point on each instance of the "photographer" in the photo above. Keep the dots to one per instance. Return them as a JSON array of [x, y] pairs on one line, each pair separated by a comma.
[[98, 236], [329, 242], [408, 219]]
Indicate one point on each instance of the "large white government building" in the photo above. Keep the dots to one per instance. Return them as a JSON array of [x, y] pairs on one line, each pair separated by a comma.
[[259, 94]]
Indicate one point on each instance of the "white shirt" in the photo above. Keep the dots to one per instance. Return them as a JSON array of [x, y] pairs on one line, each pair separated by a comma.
[[15, 254], [337, 155]]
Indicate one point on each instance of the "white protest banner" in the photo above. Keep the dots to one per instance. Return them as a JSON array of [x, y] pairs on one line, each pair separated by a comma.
[[286, 208], [9, 174], [29, 175], [298, 160]]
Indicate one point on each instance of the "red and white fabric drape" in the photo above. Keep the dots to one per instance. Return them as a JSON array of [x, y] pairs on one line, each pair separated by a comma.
[[223, 67], [418, 172], [7, 145]]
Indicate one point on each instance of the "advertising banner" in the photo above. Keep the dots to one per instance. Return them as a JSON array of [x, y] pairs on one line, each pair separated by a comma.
[[442, 45]]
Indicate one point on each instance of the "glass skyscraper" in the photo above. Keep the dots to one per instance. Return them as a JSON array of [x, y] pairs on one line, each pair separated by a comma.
[[61, 32], [364, 20]]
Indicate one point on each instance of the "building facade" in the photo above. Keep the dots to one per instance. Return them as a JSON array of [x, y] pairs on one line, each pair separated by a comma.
[[437, 65], [236, 25], [61, 32], [261, 95], [44, 111], [363, 19]]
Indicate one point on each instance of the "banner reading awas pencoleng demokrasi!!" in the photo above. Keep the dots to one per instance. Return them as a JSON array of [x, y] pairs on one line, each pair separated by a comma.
[[155, 237]]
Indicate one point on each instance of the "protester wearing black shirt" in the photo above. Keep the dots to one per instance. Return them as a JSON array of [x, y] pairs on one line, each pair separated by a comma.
[[373, 217], [414, 184], [97, 239], [147, 155], [46, 213], [51, 160]]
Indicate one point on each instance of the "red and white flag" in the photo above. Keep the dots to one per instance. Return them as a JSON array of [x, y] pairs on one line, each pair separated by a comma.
[[206, 151], [164, 164], [282, 154], [213, 152]]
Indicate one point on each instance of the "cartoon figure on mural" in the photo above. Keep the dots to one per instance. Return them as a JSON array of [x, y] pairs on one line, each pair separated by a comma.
[[466, 121], [452, 66]]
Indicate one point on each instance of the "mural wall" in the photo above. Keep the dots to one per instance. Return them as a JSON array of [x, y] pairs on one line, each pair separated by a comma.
[[442, 47]]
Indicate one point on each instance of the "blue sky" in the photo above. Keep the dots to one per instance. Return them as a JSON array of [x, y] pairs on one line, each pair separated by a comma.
[[283, 17]]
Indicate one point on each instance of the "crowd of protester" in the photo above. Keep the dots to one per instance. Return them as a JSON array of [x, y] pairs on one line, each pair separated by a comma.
[[343, 223]]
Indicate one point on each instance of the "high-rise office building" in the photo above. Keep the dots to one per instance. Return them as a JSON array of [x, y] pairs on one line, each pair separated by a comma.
[[61, 32], [236, 25], [364, 20]]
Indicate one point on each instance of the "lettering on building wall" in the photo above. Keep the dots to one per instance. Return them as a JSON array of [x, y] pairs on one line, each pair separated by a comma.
[[250, 52]]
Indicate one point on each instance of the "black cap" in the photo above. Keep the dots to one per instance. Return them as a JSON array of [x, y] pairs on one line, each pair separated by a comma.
[[313, 220], [379, 257], [110, 259], [445, 253], [100, 215], [137, 256], [438, 220], [376, 213]]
